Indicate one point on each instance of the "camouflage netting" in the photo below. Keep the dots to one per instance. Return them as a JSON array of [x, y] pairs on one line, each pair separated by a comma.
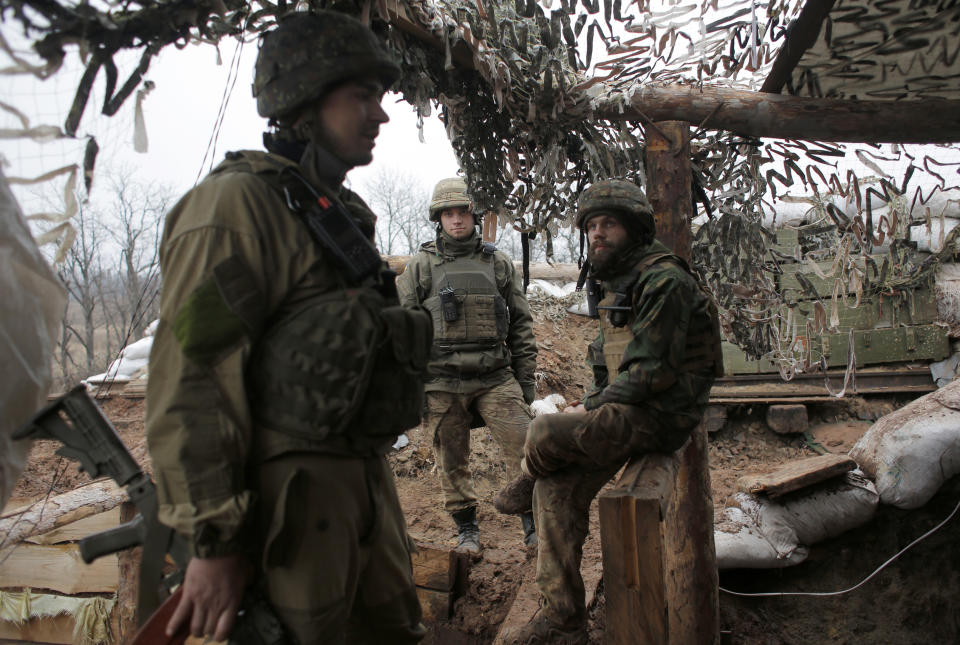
[[533, 94]]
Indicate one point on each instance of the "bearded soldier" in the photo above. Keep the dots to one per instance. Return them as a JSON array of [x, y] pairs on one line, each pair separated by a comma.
[[653, 363], [484, 352], [284, 367]]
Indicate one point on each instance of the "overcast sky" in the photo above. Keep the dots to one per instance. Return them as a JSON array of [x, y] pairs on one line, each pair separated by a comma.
[[180, 114]]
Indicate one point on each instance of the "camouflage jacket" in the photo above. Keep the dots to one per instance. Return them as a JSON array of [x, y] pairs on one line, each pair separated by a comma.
[[652, 373], [200, 429], [517, 357]]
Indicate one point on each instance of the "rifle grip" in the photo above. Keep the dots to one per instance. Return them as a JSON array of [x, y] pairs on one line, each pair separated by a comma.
[[112, 540]]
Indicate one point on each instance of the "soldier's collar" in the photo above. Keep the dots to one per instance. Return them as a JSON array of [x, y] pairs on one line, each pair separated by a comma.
[[321, 166]]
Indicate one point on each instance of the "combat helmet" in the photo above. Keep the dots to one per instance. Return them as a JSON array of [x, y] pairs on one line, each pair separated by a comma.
[[449, 193], [309, 52], [618, 197]]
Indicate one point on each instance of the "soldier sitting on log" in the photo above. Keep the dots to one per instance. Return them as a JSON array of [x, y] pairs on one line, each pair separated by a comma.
[[653, 363]]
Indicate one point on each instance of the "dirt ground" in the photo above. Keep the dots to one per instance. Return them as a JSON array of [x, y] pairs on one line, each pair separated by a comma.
[[743, 445]]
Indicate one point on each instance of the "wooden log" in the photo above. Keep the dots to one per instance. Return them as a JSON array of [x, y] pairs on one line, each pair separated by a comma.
[[760, 114], [797, 474], [44, 516], [57, 567], [659, 563], [668, 184]]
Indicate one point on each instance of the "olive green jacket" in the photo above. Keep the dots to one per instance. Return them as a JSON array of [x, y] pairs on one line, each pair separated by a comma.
[[233, 257], [516, 357], [667, 303]]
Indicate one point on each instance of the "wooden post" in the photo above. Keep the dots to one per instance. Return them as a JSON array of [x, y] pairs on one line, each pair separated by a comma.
[[659, 564], [489, 229], [125, 609], [668, 184]]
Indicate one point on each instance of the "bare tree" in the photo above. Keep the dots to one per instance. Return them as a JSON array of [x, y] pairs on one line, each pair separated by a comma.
[[81, 273], [401, 203], [134, 211]]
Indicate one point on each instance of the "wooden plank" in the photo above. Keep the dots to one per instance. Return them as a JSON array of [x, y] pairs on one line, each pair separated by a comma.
[[436, 605], [435, 567], [797, 474], [56, 567], [79, 529], [48, 629]]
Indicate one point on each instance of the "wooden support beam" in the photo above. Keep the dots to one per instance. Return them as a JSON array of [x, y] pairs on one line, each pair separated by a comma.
[[659, 566], [759, 114], [668, 184], [802, 36]]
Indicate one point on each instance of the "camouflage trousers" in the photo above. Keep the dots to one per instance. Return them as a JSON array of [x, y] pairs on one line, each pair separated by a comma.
[[336, 554], [448, 421], [572, 456]]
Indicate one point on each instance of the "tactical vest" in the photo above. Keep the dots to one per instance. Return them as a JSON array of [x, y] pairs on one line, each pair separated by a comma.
[[703, 349], [481, 312], [341, 365]]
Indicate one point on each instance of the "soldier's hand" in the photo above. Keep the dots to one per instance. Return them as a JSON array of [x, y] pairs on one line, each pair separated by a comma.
[[576, 408], [212, 591]]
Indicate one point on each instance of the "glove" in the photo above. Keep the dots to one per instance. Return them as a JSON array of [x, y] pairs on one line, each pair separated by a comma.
[[529, 392]]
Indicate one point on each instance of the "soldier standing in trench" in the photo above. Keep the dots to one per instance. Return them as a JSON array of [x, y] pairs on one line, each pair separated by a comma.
[[484, 351], [268, 455], [653, 363]]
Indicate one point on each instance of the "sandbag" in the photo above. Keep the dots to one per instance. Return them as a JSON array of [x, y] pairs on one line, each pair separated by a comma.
[[791, 523], [912, 451], [741, 545]]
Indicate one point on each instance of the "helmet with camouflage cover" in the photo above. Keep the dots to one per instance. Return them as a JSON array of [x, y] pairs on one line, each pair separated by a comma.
[[448, 193], [309, 52], [620, 198]]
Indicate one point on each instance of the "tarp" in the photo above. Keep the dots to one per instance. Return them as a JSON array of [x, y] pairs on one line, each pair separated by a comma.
[[31, 306]]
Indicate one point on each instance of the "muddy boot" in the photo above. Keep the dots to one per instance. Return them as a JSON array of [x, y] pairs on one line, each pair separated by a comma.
[[541, 630], [468, 532], [516, 497], [529, 530]]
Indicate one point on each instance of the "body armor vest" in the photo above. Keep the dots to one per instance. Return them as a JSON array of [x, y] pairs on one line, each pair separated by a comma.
[[469, 314], [703, 350], [342, 366]]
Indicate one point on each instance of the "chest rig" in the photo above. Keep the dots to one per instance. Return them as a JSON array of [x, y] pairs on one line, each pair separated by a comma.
[[342, 366], [702, 352], [468, 312]]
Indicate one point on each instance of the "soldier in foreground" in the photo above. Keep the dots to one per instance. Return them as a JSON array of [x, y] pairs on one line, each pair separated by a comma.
[[484, 352], [653, 363], [275, 313]]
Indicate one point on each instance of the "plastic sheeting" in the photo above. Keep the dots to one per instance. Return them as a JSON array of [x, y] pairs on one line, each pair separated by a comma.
[[31, 306]]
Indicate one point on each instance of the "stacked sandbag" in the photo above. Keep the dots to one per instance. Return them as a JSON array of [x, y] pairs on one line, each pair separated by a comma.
[[911, 452], [765, 533]]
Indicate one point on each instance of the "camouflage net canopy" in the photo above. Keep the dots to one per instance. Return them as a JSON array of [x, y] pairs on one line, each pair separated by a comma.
[[537, 97]]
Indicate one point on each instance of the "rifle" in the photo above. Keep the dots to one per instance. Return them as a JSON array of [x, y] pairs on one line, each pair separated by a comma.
[[87, 435]]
